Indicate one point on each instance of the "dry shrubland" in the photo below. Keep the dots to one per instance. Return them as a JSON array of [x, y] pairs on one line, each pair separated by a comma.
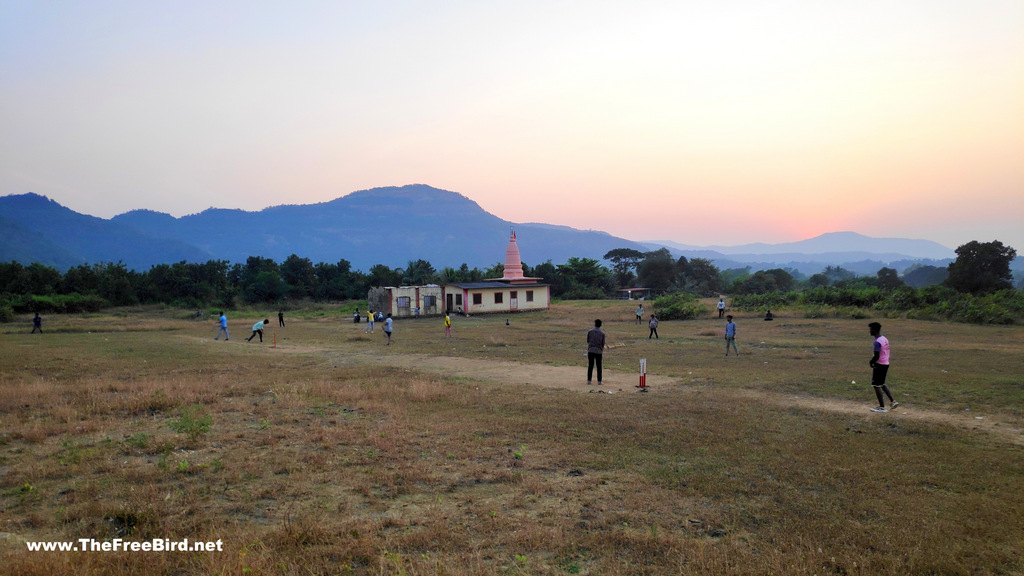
[[325, 455]]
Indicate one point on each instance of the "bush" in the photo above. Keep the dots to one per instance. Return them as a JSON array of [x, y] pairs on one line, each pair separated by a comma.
[[6, 314], [680, 306], [56, 303], [862, 297], [764, 301]]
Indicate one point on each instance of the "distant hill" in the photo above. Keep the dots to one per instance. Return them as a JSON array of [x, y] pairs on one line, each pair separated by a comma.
[[831, 244], [855, 252], [390, 226], [44, 231]]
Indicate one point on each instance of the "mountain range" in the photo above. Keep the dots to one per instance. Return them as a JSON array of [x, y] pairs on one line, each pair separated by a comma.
[[391, 226]]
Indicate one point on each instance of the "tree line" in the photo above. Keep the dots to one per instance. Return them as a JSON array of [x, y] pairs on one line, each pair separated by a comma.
[[980, 268]]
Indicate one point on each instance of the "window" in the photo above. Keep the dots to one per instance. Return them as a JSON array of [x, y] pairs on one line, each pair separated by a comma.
[[458, 299], [429, 301], [499, 297], [529, 295], [404, 302], [478, 298]]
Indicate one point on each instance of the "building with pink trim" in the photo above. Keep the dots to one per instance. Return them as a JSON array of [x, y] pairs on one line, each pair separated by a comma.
[[513, 292]]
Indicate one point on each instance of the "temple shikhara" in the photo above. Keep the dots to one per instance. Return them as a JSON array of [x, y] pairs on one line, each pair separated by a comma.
[[513, 292]]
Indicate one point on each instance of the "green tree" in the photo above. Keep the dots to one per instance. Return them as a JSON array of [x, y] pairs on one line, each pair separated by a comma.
[[42, 279], [981, 268], [552, 277], [419, 273], [496, 271], [658, 271], [702, 277], [766, 281], [624, 262], [381, 275], [116, 285], [889, 279], [838, 274], [817, 280], [585, 278], [922, 275], [261, 280], [300, 276]]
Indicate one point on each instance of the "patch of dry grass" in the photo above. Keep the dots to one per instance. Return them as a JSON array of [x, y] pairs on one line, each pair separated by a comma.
[[321, 457]]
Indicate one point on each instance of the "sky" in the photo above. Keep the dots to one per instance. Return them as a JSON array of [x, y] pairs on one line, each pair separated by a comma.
[[702, 123]]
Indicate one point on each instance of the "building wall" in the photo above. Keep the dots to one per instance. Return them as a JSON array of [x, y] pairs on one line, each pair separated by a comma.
[[541, 299], [402, 301]]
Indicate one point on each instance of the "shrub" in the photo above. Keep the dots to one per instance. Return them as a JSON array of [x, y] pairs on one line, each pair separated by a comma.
[[194, 421], [764, 301], [6, 314], [56, 303], [680, 306], [861, 297]]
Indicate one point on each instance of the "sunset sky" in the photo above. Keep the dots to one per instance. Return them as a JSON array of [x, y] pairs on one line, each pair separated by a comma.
[[697, 122]]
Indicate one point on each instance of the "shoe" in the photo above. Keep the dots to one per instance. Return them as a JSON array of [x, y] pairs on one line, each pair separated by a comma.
[[879, 409], [599, 383], [589, 383], [893, 405]]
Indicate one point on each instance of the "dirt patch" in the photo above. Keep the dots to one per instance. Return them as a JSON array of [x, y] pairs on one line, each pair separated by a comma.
[[616, 381]]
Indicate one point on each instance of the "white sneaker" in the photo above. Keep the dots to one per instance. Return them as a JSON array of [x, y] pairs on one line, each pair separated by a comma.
[[893, 405], [878, 409]]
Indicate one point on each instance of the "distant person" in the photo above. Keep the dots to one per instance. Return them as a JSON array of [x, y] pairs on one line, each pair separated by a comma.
[[257, 329], [730, 335], [369, 322], [37, 324], [355, 317], [280, 318], [387, 328], [447, 326], [880, 368], [417, 312], [768, 317], [721, 307], [595, 352], [639, 313], [223, 323], [654, 328]]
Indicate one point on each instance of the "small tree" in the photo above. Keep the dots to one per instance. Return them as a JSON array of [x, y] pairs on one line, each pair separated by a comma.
[[889, 279], [981, 268], [624, 261]]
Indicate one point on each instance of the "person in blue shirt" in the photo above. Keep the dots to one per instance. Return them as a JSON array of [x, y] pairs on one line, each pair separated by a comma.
[[257, 328], [730, 335], [37, 324], [223, 328]]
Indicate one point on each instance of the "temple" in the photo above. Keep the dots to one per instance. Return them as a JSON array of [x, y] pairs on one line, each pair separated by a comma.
[[513, 292]]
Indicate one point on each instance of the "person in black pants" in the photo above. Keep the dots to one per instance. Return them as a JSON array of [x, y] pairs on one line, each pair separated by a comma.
[[595, 349], [654, 328]]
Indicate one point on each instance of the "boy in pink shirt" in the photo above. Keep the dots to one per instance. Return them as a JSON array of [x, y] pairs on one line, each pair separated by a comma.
[[880, 367]]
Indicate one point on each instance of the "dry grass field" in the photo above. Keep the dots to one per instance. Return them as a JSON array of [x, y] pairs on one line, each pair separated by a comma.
[[487, 453]]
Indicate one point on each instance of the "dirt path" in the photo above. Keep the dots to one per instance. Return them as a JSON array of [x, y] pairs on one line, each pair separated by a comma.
[[618, 382]]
